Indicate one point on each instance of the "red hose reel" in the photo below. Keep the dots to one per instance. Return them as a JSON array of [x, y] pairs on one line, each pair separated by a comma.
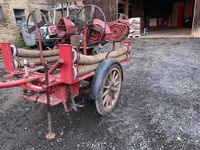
[[119, 29], [97, 31], [116, 31], [65, 29]]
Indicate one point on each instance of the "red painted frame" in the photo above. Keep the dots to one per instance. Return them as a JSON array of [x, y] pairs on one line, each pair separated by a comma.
[[7, 57], [58, 83]]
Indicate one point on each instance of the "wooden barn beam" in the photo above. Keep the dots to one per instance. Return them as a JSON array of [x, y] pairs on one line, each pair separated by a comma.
[[126, 9], [196, 19]]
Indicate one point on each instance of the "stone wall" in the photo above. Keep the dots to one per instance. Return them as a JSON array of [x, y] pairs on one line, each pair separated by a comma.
[[9, 30]]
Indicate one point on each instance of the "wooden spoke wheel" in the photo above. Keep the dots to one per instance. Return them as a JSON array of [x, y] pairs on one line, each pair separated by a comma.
[[111, 89], [107, 87]]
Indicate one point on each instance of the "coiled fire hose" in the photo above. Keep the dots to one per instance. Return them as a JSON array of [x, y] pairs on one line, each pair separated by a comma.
[[119, 29], [95, 37], [65, 28], [86, 64]]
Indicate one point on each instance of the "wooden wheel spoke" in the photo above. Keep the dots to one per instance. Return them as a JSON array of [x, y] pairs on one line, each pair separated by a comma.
[[113, 96], [107, 80], [106, 87], [110, 77], [108, 102], [105, 93], [116, 77], [105, 100], [114, 73], [113, 76], [116, 83], [115, 89]]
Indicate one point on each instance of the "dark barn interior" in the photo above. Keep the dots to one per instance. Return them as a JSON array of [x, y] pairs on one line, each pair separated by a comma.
[[168, 13], [157, 15]]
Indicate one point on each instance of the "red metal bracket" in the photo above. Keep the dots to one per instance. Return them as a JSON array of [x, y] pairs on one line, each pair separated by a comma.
[[66, 69], [7, 57]]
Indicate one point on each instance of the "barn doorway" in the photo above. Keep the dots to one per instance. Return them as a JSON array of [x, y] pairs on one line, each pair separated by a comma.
[[162, 18]]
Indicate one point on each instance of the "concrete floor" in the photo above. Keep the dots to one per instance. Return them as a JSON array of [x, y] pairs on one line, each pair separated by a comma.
[[159, 107], [169, 33]]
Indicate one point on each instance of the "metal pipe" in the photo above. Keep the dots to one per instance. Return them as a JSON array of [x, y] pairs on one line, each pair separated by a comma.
[[17, 82], [50, 134], [56, 65], [71, 97], [38, 34], [40, 45]]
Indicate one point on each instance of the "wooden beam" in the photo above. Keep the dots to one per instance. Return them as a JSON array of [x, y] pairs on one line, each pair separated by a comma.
[[196, 19], [124, 2], [126, 9], [121, 1]]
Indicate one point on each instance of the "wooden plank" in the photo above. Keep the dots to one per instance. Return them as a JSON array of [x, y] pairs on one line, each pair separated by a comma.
[[196, 19]]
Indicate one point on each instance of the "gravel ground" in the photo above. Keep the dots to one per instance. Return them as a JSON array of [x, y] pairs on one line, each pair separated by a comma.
[[159, 107]]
